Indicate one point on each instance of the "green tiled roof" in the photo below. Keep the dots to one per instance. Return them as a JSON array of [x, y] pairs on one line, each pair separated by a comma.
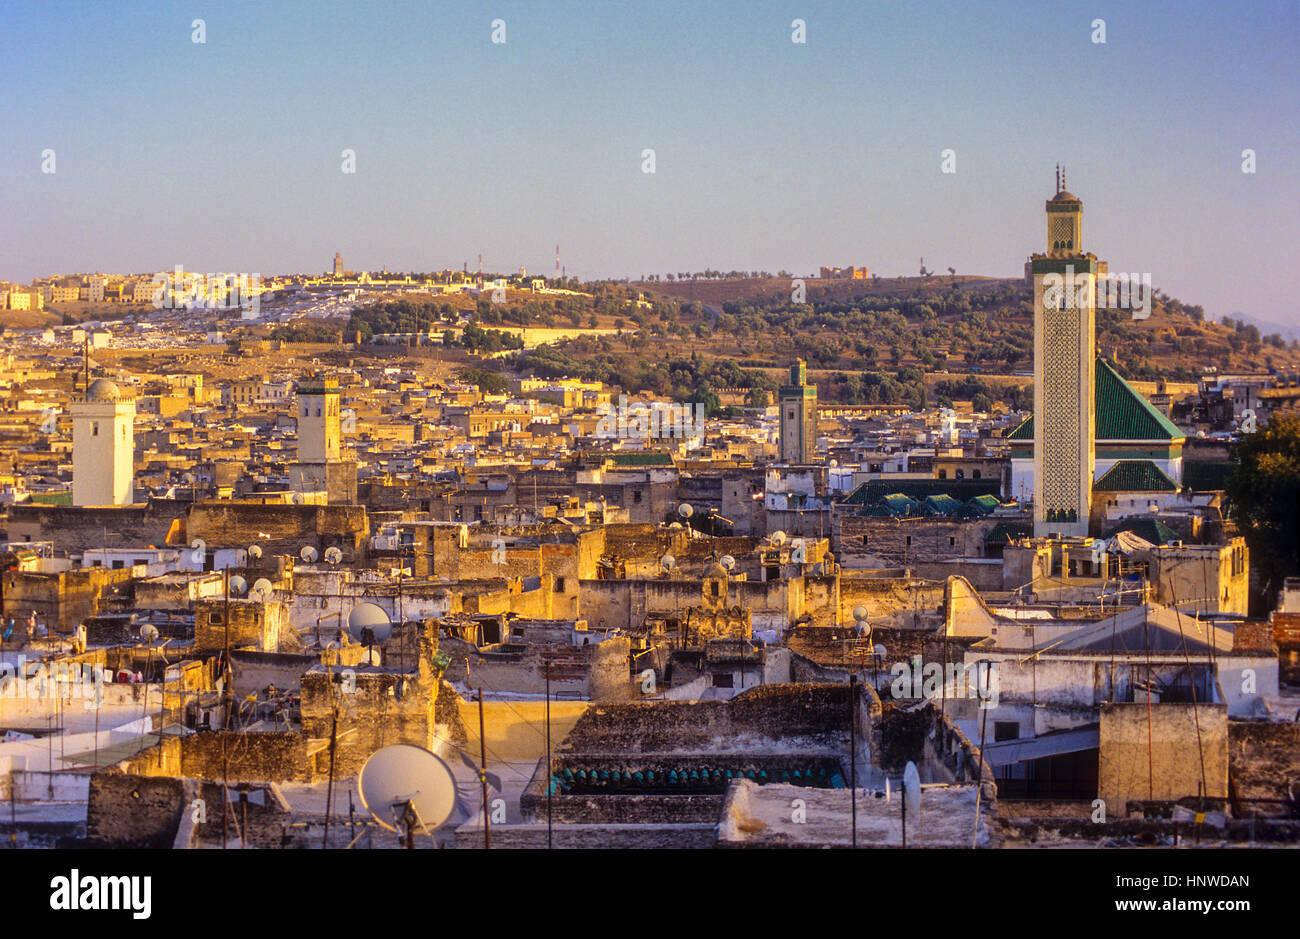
[[640, 458], [987, 503], [898, 504], [942, 504], [1135, 476], [1004, 532], [1121, 413], [873, 490], [1207, 475]]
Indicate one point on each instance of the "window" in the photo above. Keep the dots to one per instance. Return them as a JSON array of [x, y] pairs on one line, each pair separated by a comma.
[[1006, 730], [952, 542], [961, 474], [978, 474], [559, 585], [723, 680], [909, 540], [943, 474], [865, 541], [636, 496], [94, 428]]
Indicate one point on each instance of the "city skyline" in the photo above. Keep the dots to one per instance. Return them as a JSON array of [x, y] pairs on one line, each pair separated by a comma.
[[803, 154]]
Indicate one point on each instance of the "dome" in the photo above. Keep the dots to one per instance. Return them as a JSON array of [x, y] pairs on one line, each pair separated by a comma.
[[1065, 196], [101, 389]]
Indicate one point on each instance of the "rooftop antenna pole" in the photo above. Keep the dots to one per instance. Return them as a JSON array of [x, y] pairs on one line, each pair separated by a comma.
[[549, 782], [482, 772], [1058, 177], [853, 759]]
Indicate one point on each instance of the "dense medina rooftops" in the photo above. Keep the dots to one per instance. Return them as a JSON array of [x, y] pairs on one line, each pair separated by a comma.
[[1122, 413]]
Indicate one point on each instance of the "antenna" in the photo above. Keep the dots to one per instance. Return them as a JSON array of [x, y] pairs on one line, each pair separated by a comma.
[[405, 787]]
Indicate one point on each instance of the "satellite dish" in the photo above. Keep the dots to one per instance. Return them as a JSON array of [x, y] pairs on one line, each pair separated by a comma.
[[238, 584], [879, 650], [685, 510], [859, 612], [262, 588], [403, 786], [912, 792], [309, 554], [297, 498], [369, 624], [333, 555], [254, 551], [676, 525], [668, 562], [834, 463], [727, 562], [777, 538], [149, 632]]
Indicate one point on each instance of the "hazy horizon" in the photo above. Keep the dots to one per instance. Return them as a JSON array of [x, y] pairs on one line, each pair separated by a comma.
[[770, 155]]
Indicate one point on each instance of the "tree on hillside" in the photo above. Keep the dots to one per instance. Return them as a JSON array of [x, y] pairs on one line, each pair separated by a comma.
[[1264, 498]]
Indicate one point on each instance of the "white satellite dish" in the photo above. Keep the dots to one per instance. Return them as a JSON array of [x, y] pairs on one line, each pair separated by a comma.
[[149, 632], [685, 510], [859, 612], [254, 552], [238, 584], [403, 786], [368, 623], [727, 562], [912, 795], [777, 538], [879, 650], [668, 562], [297, 498], [333, 555], [309, 554], [676, 525], [262, 588]]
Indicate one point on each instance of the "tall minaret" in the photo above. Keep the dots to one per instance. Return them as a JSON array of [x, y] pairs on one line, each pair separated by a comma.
[[1065, 352]]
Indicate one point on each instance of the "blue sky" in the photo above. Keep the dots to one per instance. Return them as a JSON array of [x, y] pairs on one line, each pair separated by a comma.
[[225, 156]]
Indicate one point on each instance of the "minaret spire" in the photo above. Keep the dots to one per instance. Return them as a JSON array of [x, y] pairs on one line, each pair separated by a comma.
[[1062, 178], [1058, 177]]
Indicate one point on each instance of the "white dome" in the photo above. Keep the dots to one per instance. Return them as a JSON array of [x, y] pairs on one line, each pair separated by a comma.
[[101, 389]]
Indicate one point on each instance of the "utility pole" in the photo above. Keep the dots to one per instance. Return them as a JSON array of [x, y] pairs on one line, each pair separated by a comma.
[[853, 756], [482, 773], [549, 778]]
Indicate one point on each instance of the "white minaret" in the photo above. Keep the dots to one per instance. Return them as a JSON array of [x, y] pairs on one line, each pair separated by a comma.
[[103, 446], [1065, 355], [318, 420]]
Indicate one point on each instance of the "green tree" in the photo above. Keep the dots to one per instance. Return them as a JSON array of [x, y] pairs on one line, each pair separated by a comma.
[[1264, 498]]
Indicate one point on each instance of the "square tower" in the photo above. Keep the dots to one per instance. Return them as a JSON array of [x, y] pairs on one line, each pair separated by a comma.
[[798, 402], [1065, 352], [319, 432], [103, 446]]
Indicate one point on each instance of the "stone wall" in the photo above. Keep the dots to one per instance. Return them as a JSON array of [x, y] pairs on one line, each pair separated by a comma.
[[1174, 770]]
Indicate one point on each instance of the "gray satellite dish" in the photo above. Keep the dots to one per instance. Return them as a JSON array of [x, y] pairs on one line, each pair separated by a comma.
[[879, 650], [685, 510], [238, 584], [668, 562], [262, 588], [912, 795], [333, 555], [859, 612], [309, 554], [149, 632], [778, 538], [728, 562], [254, 551], [405, 786], [369, 617]]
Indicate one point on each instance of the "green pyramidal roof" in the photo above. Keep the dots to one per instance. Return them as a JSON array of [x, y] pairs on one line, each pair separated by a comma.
[[1135, 476], [1121, 413]]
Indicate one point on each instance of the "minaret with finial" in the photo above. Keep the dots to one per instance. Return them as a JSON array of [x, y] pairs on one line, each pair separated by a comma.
[[1065, 354]]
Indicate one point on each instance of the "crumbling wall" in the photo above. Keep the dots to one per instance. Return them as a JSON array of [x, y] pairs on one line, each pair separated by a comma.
[[1168, 732]]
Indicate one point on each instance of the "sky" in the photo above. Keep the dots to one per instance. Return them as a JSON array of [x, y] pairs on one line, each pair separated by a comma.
[[227, 155]]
